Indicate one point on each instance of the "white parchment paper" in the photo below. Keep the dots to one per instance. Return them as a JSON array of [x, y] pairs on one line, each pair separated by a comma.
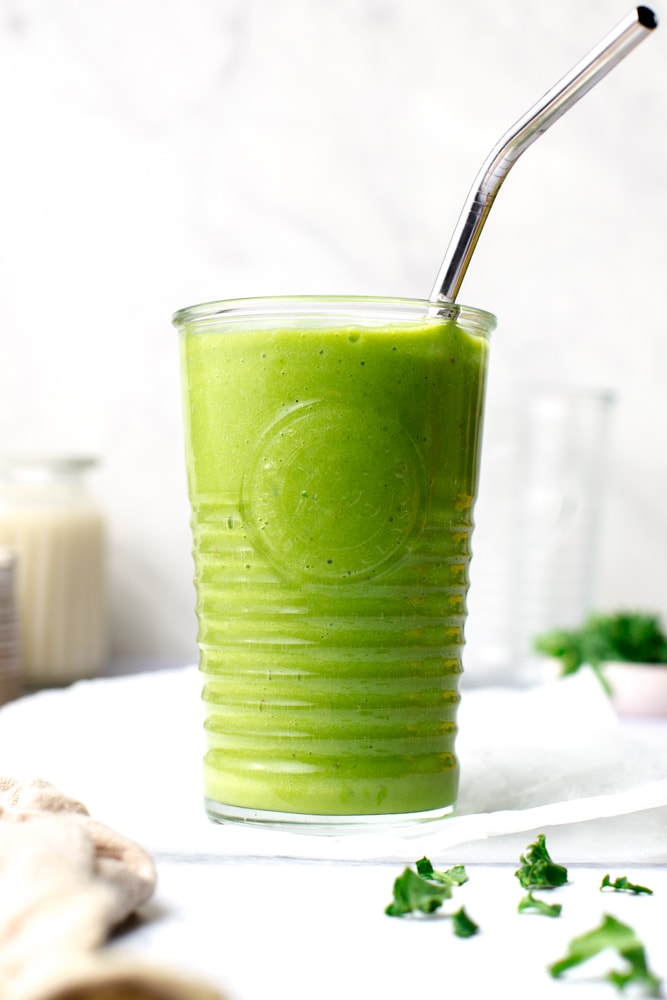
[[547, 758]]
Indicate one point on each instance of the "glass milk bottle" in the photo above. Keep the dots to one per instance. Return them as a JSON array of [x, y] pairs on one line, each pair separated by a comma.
[[10, 663], [49, 519]]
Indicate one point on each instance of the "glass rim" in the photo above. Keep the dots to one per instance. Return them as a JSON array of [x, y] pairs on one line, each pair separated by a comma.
[[396, 307]]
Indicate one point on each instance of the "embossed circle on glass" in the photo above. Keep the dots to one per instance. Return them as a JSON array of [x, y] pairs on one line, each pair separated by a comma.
[[332, 452], [332, 521]]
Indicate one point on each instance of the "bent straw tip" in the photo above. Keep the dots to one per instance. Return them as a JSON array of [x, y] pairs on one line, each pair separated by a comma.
[[647, 18]]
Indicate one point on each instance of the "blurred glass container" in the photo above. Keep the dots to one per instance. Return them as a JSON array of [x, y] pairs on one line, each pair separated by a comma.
[[50, 520], [537, 523], [10, 663]]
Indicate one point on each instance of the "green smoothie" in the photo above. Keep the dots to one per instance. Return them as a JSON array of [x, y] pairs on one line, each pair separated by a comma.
[[332, 454]]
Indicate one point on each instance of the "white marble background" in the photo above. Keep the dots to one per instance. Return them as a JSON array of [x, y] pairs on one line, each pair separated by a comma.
[[156, 153]]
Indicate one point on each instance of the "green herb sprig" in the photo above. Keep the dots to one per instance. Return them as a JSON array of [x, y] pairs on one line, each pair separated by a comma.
[[425, 890], [612, 934], [627, 636], [538, 870], [463, 926], [452, 876], [415, 894], [531, 902], [623, 884]]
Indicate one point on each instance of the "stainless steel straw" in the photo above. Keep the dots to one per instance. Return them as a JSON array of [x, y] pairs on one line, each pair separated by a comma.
[[613, 47]]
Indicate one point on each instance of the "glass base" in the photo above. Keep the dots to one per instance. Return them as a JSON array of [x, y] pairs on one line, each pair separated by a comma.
[[218, 812]]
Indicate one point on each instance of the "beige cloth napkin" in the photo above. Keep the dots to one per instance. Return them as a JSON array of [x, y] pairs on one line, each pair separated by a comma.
[[66, 881]]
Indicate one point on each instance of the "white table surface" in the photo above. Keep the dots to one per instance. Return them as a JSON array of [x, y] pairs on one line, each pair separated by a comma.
[[294, 930], [298, 930]]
